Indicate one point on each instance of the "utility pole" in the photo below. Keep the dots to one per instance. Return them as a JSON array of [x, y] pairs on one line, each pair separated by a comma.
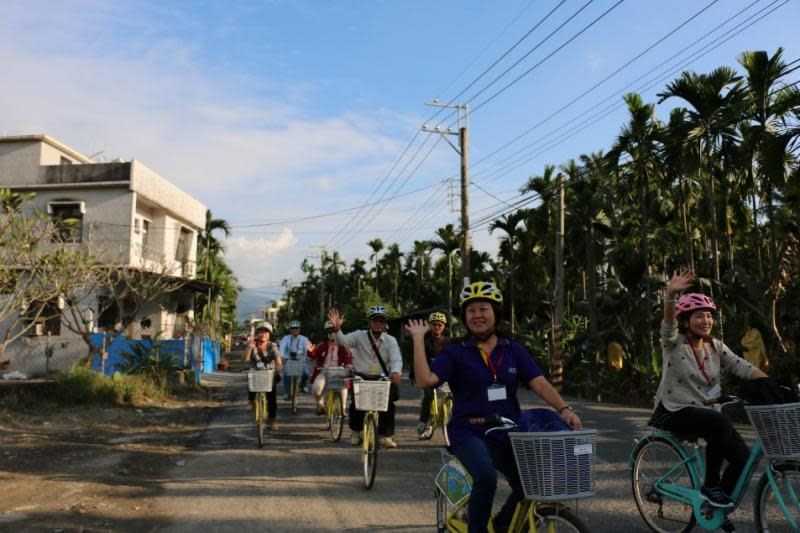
[[322, 289], [558, 322], [463, 150]]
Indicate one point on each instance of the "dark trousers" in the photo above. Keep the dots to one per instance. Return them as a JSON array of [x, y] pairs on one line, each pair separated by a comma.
[[723, 443], [385, 419], [482, 460], [425, 406]]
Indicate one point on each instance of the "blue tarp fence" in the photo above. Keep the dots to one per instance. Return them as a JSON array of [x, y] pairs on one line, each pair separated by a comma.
[[195, 353]]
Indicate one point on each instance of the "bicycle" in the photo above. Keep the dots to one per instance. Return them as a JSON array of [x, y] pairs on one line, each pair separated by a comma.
[[260, 381], [553, 467], [334, 401], [372, 397], [293, 369], [666, 477], [441, 411]]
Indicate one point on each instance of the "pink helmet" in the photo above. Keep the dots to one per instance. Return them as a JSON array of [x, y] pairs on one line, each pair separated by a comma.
[[692, 301]]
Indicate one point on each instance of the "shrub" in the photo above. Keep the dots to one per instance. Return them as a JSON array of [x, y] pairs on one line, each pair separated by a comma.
[[81, 385]]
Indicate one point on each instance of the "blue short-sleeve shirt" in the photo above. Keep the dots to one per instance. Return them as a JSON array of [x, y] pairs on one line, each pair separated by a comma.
[[462, 366]]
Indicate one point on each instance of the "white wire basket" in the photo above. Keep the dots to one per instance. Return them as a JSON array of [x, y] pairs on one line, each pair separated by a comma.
[[260, 380], [334, 377], [557, 465], [777, 428], [293, 367], [371, 395]]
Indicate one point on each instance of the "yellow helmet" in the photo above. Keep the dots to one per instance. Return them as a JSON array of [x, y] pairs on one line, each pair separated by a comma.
[[480, 290], [436, 316]]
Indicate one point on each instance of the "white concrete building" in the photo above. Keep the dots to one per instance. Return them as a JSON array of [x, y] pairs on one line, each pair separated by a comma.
[[128, 212]]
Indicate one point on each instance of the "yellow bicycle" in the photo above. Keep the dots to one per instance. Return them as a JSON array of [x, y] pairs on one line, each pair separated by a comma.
[[372, 397], [553, 467], [334, 401], [259, 381], [441, 411]]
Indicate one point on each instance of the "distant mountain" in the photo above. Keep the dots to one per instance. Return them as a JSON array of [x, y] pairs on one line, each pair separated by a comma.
[[255, 299]]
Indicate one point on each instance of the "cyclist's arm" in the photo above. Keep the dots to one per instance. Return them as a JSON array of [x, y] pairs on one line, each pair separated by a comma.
[[549, 394], [736, 365], [423, 377], [348, 340]]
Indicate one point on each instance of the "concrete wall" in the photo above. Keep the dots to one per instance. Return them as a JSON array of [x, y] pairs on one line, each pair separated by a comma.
[[159, 191], [19, 163]]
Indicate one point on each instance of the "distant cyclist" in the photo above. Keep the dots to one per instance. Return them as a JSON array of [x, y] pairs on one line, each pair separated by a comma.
[[435, 340], [364, 344], [261, 350], [693, 363], [328, 354], [484, 369], [295, 346]]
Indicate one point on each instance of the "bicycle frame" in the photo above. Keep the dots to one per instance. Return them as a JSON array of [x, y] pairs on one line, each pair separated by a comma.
[[696, 465]]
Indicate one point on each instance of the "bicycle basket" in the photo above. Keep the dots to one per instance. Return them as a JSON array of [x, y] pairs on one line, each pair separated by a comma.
[[260, 380], [556, 465], [334, 378], [453, 479], [293, 367], [777, 428], [371, 395]]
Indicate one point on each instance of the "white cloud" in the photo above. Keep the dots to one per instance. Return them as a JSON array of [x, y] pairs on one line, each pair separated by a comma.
[[258, 262]]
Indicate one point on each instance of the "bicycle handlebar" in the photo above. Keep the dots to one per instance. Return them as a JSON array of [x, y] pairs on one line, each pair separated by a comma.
[[724, 400]]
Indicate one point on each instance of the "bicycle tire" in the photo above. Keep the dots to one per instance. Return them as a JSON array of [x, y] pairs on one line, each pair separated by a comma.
[[659, 456], [369, 450], [336, 420], [441, 511], [768, 515], [556, 519], [295, 387], [261, 418], [447, 411]]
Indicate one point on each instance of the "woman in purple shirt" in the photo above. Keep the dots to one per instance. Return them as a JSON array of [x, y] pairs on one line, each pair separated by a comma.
[[483, 370]]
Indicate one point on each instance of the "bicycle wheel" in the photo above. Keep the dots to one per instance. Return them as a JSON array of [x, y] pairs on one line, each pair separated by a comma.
[[769, 516], [662, 514], [557, 519], [447, 411], [442, 508], [295, 387], [336, 419], [261, 416], [369, 450]]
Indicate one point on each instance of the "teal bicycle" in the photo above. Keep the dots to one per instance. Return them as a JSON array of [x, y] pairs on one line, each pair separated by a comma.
[[666, 476]]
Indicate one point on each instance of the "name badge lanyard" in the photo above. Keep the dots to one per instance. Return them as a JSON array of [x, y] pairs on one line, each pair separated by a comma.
[[701, 362], [487, 358]]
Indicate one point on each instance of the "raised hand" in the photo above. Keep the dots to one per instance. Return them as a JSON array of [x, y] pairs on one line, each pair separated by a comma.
[[336, 318], [680, 281], [417, 327]]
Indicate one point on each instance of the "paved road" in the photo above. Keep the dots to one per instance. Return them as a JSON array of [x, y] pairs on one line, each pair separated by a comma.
[[302, 482]]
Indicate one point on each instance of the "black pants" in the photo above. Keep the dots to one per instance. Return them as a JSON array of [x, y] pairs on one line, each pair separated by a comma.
[[723, 443], [385, 419], [425, 407]]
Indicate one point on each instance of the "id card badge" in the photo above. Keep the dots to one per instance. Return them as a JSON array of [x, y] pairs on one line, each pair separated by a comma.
[[497, 392], [714, 391]]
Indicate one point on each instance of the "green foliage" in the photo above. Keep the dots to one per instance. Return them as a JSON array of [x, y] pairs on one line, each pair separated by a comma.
[[83, 386], [147, 358]]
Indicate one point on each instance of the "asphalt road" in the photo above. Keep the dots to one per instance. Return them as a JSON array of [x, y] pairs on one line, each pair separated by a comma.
[[301, 481]]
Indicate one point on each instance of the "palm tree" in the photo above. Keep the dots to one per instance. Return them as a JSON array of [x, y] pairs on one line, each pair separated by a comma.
[[512, 225], [448, 242], [377, 246]]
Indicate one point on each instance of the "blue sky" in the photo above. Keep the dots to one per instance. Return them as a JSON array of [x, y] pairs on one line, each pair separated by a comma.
[[270, 111]]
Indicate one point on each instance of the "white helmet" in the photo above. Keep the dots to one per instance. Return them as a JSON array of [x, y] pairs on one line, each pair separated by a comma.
[[294, 324], [328, 326], [376, 311], [264, 325]]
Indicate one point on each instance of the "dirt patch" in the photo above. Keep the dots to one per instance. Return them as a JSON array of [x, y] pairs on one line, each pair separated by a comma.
[[92, 468]]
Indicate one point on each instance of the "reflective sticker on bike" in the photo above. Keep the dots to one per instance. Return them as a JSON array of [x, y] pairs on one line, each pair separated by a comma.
[[582, 449]]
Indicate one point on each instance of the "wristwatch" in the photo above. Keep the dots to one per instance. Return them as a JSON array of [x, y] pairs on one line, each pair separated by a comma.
[[569, 407]]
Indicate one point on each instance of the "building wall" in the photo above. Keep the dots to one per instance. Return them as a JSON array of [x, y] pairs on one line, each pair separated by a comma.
[[159, 191], [19, 163]]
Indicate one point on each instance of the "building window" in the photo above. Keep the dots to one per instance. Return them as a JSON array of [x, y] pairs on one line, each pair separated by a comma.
[[45, 318], [141, 226], [68, 220]]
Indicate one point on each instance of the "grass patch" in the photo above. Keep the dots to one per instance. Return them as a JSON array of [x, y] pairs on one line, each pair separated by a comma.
[[84, 386]]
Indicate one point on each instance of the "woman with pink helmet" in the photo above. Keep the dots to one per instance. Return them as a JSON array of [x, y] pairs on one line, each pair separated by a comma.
[[693, 361]]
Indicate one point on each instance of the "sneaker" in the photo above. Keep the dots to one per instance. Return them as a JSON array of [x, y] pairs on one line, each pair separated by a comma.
[[273, 426], [427, 433], [716, 497], [320, 411], [355, 438], [421, 429], [386, 443]]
